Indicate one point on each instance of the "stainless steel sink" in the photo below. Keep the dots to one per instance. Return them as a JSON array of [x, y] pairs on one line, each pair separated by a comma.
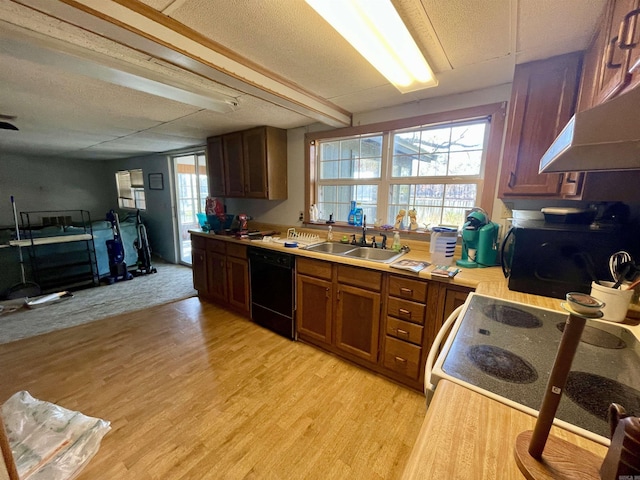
[[354, 251], [331, 247], [374, 254]]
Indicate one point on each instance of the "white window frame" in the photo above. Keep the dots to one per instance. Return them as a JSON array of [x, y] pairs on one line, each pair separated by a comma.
[[486, 180]]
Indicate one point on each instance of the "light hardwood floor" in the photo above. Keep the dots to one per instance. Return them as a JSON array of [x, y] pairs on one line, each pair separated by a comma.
[[193, 391]]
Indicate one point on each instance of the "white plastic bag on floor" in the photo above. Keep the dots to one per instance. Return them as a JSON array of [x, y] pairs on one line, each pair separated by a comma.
[[48, 441]]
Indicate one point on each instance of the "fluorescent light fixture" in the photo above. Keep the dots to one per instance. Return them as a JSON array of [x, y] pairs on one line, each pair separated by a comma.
[[375, 30]]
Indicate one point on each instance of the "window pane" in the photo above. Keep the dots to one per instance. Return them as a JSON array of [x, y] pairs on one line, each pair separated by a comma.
[[350, 148], [465, 163], [336, 200], [359, 157], [439, 151], [435, 204], [137, 179], [468, 137]]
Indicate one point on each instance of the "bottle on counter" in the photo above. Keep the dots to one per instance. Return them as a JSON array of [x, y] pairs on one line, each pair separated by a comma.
[[396, 246], [358, 216], [352, 213], [330, 234]]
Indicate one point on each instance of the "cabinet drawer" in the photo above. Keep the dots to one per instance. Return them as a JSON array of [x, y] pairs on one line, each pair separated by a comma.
[[238, 251], [360, 277], [215, 246], [406, 310], [406, 288], [409, 332], [402, 357], [313, 268], [198, 242]]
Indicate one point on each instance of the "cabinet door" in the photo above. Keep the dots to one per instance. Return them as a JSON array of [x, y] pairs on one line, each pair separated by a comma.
[[233, 164], [357, 322], [449, 298], [199, 269], [630, 40], [217, 275], [238, 283], [255, 163], [314, 309], [542, 102], [615, 60], [215, 166]]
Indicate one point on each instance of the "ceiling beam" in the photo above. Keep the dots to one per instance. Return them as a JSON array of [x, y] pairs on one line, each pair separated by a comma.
[[143, 28]]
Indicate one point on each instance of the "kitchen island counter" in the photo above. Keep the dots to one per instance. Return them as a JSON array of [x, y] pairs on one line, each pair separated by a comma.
[[467, 436]]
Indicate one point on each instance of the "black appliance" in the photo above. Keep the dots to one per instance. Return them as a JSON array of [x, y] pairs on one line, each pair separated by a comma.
[[272, 290], [552, 259], [505, 350]]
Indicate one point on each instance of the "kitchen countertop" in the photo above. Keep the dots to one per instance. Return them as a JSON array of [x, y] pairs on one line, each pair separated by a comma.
[[467, 277], [467, 436]]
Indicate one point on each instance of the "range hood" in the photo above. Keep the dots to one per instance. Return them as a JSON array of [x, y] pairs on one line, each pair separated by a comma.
[[603, 138]]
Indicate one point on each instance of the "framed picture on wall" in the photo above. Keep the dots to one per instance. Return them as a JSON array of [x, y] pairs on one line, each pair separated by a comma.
[[156, 181]]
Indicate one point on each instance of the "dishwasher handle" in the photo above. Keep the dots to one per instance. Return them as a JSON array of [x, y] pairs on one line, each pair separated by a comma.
[[433, 352]]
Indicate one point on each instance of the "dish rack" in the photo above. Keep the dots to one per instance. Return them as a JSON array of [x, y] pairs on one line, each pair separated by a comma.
[[300, 238]]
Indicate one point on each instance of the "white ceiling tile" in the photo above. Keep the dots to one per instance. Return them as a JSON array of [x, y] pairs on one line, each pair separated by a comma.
[[471, 32]]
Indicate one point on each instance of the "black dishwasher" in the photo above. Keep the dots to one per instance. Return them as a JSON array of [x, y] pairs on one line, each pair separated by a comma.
[[272, 290]]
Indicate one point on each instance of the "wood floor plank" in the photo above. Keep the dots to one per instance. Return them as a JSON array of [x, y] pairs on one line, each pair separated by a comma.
[[193, 391]]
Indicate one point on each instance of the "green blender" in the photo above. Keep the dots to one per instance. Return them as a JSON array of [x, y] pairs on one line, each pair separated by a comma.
[[479, 241]]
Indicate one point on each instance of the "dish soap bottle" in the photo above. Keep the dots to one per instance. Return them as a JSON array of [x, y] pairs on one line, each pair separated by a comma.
[[358, 216], [396, 242], [352, 213], [330, 234]]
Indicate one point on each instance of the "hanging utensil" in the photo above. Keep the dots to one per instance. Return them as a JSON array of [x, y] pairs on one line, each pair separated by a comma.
[[622, 272], [615, 261]]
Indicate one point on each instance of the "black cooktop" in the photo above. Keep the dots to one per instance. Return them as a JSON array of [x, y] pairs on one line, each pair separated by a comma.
[[508, 349]]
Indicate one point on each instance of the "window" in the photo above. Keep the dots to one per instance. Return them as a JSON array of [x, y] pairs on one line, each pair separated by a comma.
[[441, 165], [130, 185]]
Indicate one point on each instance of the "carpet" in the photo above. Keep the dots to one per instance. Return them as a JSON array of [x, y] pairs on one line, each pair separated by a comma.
[[171, 282]]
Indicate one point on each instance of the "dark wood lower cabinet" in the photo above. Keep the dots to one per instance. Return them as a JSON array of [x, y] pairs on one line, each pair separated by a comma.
[[358, 322], [314, 314], [199, 268], [221, 272], [238, 283], [383, 322]]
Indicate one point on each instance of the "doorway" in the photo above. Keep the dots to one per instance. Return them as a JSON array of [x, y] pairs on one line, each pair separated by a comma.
[[192, 189]]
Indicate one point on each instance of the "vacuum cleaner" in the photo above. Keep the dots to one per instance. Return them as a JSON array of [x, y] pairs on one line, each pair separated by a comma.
[[115, 249], [141, 244]]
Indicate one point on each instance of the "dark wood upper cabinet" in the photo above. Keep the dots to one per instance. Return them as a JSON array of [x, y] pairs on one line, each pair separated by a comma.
[[215, 167], [614, 66], [543, 100], [233, 164], [248, 164], [265, 163]]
